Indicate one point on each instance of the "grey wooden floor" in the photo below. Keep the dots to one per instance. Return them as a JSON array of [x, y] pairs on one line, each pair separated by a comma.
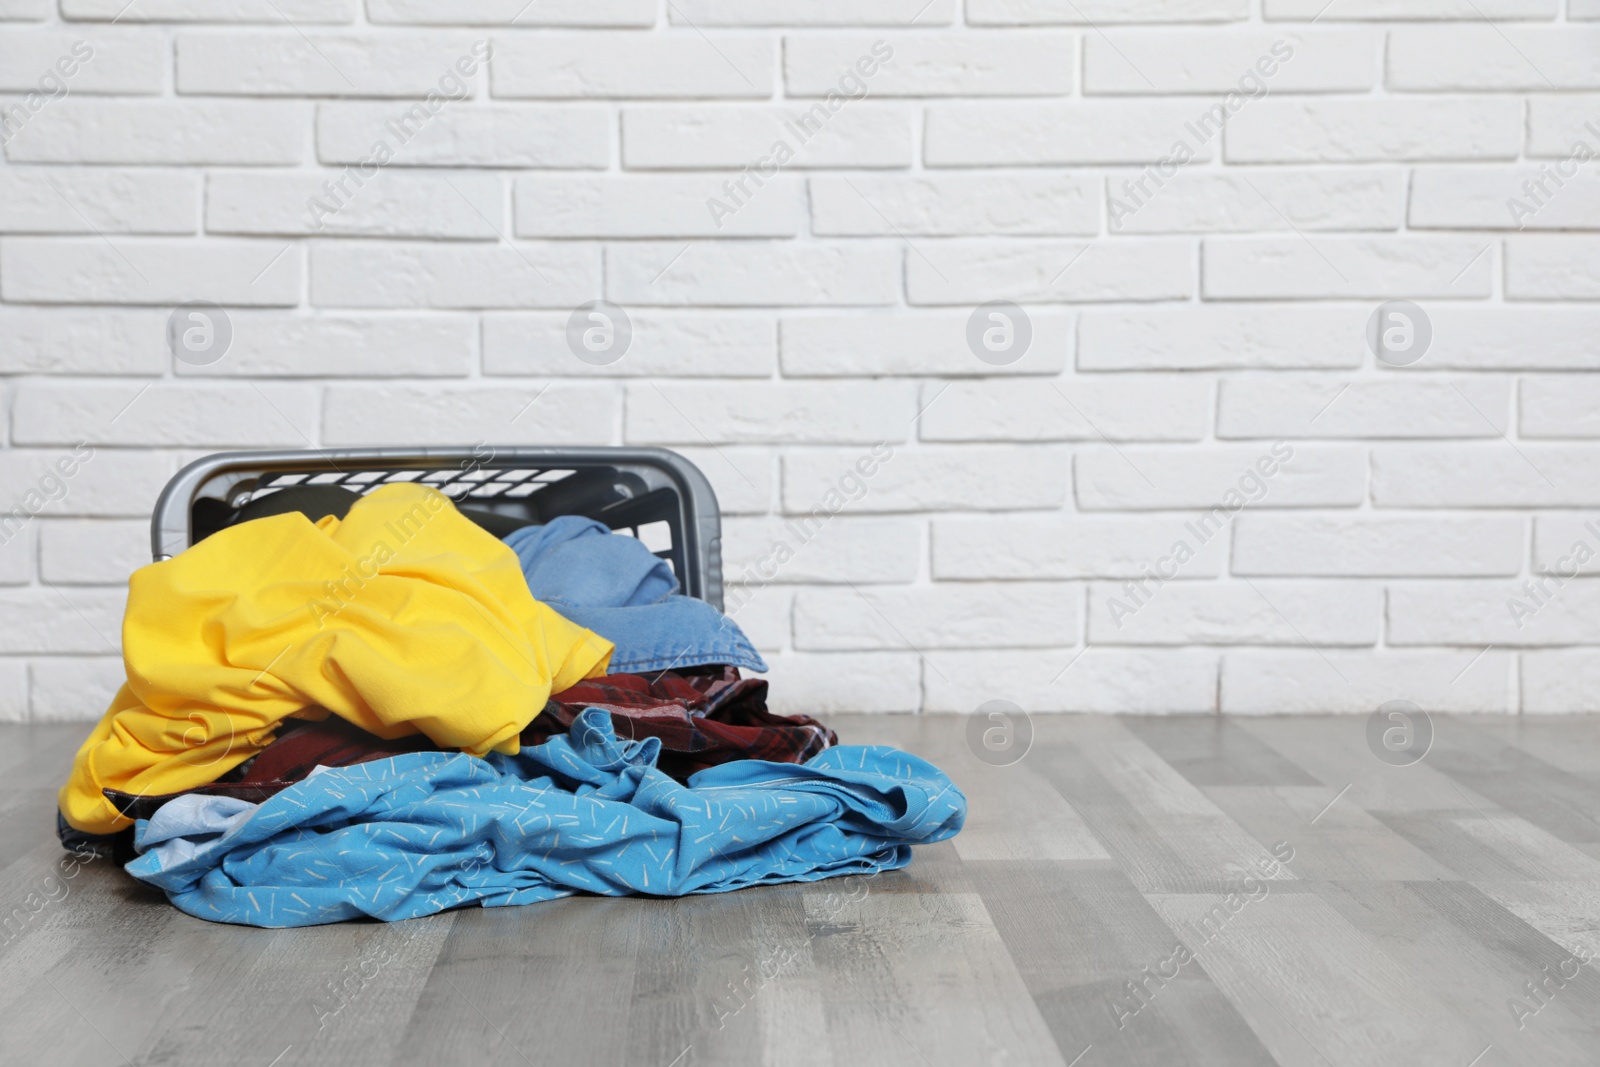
[[1419, 903]]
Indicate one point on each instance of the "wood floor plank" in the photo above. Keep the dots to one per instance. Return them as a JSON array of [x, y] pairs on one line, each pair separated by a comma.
[[1560, 802], [1418, 904], [916, 976], [550, 981], [311, 995], [1477, 956], [1568, 913], [1314, 988], [1333, 749], [1211, 750], [1485, 843], [1570, 742], [42, 757], [1093, 954], [1134, 800], [1331, 837], [1013, 810]]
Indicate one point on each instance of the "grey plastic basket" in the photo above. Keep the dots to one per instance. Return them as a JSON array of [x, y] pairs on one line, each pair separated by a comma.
[[651, 493]]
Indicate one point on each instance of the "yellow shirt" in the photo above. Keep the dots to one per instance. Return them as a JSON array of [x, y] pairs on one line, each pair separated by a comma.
[[403, 617]]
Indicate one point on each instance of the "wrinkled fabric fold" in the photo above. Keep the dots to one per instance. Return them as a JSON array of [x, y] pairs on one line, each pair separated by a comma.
[[585, 812], [614, 585], [401, 618], [701, 720]]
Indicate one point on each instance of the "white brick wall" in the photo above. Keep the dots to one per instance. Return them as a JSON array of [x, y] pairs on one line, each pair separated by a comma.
[[1197, 490]]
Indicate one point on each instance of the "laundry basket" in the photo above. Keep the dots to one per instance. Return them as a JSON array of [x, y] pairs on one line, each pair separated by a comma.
[[651, 493]]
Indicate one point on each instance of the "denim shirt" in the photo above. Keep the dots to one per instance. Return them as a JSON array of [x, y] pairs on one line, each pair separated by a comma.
[[614, 585]]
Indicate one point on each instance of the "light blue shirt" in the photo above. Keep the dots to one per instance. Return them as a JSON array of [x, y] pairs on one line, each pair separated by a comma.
[[614, 585], [418, 833]]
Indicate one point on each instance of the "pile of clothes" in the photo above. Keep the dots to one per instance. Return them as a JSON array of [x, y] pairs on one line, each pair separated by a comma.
[[385, 705]]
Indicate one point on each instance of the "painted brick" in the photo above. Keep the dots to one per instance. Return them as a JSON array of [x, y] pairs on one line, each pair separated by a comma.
[[1222, 336], [82, 481], [745, 480], [375, 274], [562, 413], [1559, 406], [1236, 613], [839, 549], [1014, 615], [1020, 547], [276, 12], [80, 341], [764, 618], [1091, 12], [24, 10], [1286, 130], [290, 63], [788, 412], [63, 621], [707, 136], [632, 66], [13, 691], [104, 553], [149, 270], [961, 272], [1331, 267], [502, 13], [1485, 475], [107, 61], [897, 13], [71, 200], [777, 336], [1251, 62], [1567, 544], [1349, 546], [1294, 681], [273, 345], [75, 689], [1141, 479], [1548, 267], [1325, 407], [950, 205], [1507, 613], [1146, 681], [388, 204], [1558, 122], [975, 63], [164, 413], [1502, 198], [827, 682], [1544, 337], [912, 344], [927, 479], [659, 205], [1411, 9], [1485, 56], [1082, 132], [1146, 407], [510, 135], [1198, 200], [751, 273], [19, 546], [237, 132], [1560, 681], [663, 344]]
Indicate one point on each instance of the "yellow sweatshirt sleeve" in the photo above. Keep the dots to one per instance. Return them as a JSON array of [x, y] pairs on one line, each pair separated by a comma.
[[403, 617]]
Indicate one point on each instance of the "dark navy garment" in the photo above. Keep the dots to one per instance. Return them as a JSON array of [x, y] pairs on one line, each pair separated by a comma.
[[614, 585]]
